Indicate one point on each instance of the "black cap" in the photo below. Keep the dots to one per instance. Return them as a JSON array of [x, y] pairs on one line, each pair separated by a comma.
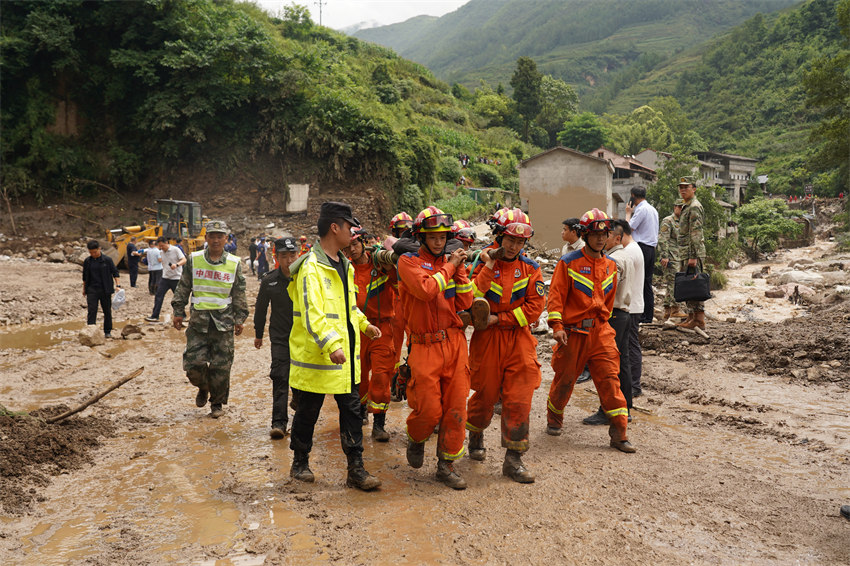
[[334, 210], [285, 245]]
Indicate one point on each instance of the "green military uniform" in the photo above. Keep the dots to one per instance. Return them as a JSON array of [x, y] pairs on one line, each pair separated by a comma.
[[218, 304], [668, 248], [692, 242]]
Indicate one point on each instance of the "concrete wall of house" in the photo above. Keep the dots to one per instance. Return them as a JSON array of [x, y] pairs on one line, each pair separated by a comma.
[[559, 185]]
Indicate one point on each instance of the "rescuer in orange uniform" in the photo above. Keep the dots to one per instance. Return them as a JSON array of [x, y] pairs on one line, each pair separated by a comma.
[[375, 297], [581, 299], [503, 355], [399, 224], [433, 288]]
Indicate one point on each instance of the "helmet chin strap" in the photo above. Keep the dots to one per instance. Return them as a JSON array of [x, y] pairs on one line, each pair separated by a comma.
[[587, 243], [439, 255]]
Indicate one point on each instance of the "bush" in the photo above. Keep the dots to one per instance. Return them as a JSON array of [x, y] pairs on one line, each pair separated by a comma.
[[449, 170], [460, 206], [412, 199], [487, 175], [717, 279]]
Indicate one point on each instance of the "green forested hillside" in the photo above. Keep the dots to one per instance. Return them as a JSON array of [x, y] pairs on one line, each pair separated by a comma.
[[586, 43], [105, 93]]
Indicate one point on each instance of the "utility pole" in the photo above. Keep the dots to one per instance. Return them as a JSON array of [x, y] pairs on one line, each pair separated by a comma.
[[320, 3]]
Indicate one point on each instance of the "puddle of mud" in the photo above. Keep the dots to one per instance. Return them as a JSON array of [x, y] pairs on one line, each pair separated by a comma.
[[45, 336]]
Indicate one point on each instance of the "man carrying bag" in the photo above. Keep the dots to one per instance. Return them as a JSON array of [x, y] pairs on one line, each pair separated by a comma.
[[691, 284]]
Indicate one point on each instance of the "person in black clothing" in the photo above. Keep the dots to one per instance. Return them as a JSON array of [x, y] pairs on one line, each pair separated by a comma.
[[273, 290], [98, 274], [133, 258], [252, 253]]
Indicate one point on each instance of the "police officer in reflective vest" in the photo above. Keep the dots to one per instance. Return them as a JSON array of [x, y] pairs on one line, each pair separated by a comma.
[[215, 282]]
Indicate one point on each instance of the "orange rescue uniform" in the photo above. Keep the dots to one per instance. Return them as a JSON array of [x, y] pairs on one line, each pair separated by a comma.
[[376, 356], [581, 299], [398, 325], [504, 356], [432, 291]]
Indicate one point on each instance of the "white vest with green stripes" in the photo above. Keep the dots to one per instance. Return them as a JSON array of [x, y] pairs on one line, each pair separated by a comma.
[[211, 283]]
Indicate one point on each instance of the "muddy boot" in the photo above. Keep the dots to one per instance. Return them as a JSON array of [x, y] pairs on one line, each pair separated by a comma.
[[378, 432], [465, 318], [358, 476], [553, 431], [689, 322], [584, 376], [216, 410], [300, 469], [446, 473], [699, 323], [497, 408], [623, 446], [201, 397], [597, 418], [676, 313], [476, 446], [480, 313], [667, 311], [514, 468], [415, 453], [278, 431]]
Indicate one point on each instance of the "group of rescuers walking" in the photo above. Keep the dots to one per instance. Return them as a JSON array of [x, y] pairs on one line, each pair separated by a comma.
[[339, 313]]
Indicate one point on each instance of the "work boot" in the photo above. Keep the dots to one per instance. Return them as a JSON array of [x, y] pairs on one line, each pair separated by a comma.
[[216, 411], [667, 311], [278, 431], [497, 408], [415, 453], [514, 468], [699, 323], [300, 469], [476, 446], [446, 473], [597, 418], [201, 397], [465, 318], [358, 476], [676, 313], [585, 376], [378, 432], [623, 446], [553, 431], [480, 312], [688, 322]]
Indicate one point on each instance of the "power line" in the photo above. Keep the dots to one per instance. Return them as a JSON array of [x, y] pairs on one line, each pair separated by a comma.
[[320, 4]]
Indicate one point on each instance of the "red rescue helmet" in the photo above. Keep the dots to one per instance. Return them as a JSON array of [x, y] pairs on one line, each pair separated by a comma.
[[463, 231], [595, 220], [432, 220], [401, 221], [460, 225], [359, 234], [493, 222], [520, 227]]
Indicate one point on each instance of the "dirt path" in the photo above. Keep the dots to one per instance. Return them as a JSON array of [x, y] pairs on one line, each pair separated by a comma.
[[733, 467]]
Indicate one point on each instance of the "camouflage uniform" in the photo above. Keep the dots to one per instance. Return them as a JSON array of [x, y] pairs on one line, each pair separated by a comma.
[[692, 242], [209, 335], [668, 248]]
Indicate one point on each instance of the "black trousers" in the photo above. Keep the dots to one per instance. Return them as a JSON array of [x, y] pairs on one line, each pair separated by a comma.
[[621, 322], [164, 286], [104, 299], [307, 413], [153, 280], [279, 375], [635, 353], [253, 257], [133, 268], [648, 294]]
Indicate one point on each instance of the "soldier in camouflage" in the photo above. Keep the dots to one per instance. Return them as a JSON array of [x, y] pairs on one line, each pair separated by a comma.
[[691, 246], [216, 284], [668, 253]]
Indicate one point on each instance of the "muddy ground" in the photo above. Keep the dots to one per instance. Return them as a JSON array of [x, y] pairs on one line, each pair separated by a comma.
[[743, 453]]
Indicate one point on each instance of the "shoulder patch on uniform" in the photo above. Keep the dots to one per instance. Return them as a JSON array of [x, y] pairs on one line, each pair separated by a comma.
[[529, 261], [572, 256], [539, 287]]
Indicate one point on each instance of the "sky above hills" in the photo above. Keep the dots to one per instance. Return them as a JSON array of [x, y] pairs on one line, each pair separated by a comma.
[[339, 14]]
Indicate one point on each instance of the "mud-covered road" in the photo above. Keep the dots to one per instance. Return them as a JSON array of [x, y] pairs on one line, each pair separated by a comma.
[[743, 455]]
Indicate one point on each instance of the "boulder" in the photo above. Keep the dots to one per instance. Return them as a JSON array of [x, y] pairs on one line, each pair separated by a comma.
[[133, 336], [801, 261], [91, 335], [775, 293], [734, 265], [797, 277], [56, 257], [746, 366], [835, 277], [130, 329]]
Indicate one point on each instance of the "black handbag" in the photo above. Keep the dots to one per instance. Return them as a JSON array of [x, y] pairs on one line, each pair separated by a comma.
[[691, 286]]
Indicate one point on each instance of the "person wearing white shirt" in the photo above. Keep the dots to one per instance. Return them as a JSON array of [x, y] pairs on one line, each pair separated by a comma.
[[154, 261], [571, 236], [636, 305], [643, 218], [172, 269]]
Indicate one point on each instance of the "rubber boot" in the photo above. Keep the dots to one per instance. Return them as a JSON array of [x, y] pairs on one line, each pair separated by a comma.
[[358, 476], [300, 469], [415, 453], [446, 473], [514, 468], [476, 446], [378, 432]]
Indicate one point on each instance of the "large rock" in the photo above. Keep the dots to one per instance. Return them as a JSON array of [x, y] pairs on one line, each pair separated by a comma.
[[91, 335], [130, 329], [798, 277], [56, 257], [800, 261]]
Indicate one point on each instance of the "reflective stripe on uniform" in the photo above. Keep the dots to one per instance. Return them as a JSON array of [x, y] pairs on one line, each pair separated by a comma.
[[213, 300], [608, 284], [319, 342], [621, 412], [456, 456], [379, 406], [554, 315], [306, 365], [464, 288], [441, 281], [473, 428], [552, 407], [581, 282], [212, 283], [410, 438], [520, 317]]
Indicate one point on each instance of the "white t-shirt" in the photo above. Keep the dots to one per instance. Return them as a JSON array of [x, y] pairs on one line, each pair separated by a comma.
[[568, 247], [623, 297], [171, 256], [154, 258], [636, 282]]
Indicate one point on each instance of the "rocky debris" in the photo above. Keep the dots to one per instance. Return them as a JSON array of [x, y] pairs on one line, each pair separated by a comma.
[[795, 276], [801, 261], [131, 329], [774, 293], [56, 257], [91, 335], [734, 265]]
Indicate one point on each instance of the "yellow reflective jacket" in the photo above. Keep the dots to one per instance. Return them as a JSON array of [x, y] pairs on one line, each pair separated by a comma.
[[320, 325]]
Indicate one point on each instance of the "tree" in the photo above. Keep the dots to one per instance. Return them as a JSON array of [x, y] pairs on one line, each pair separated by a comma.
[[762, 222], [643, 128], [558, 103], [583, 132], [526, 82], [828, 87], [664, 192]]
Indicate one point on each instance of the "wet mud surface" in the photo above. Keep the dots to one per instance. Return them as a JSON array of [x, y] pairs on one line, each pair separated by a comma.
[[736, 464]]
